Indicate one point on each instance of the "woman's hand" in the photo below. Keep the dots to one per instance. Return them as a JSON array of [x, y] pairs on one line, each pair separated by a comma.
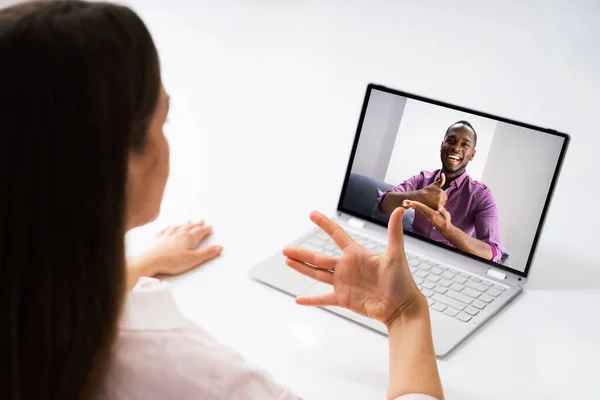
[[379, 286], [173, 252]]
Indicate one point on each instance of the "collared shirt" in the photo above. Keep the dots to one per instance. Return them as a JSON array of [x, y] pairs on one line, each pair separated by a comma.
[[160, 354], [471, 206]]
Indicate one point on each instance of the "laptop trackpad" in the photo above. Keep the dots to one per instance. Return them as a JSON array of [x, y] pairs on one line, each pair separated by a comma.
[[322, 288], [274, 272]]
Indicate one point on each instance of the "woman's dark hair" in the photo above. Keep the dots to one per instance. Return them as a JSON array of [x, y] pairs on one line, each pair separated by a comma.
[[79, 83]]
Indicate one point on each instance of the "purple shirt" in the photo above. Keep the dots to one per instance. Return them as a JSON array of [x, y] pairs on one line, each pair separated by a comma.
[[470, 204]]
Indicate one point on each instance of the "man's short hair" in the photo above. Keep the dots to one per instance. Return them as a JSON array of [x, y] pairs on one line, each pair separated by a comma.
[[467, 124]]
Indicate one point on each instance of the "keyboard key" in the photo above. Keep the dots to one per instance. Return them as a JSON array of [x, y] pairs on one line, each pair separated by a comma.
[[445, 282], [457, 287], [464, 317], [471, 310], [425, 266], [433, 278], [486, 283], [450, 311], [322, 235], [370, 246], [442, 267], [440, 289], [493, 292], [430, 302], [312, 247], [337, 253], [428, 285], [330, 246], [454, 270], [414, 262], [413, 270], [317, 241], [471, 292], [418, 280], [438, 307], [486, 298], [474, 278], [465, 275], [448, 275], [479, 304], [500, 288], [459, 296], [427, 292], [460, 279], [476, 285], [448, 301], [422, 273], [436, 270], [328, 252]]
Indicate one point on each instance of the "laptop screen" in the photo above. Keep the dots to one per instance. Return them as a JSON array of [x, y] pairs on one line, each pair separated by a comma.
[[471, 182]]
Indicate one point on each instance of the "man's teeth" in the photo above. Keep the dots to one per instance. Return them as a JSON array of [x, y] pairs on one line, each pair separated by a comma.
[[454, 158]]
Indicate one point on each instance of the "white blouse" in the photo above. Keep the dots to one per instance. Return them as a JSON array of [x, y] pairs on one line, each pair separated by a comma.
[[160, 354]]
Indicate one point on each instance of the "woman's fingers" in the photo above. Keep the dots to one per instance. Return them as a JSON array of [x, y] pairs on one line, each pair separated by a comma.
[[184, 227], [339, 235], [207, 254], [318, 301], [188, 226], [200, 233], [313, 258], [317, 274], [163, 231]]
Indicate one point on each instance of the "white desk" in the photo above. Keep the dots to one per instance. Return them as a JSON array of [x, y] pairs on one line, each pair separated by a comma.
[[265, 101]]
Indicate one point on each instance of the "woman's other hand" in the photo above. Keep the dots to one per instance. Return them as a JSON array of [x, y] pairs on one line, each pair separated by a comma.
[[174, 251]]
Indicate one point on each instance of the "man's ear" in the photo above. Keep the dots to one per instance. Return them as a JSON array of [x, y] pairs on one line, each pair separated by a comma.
[[473, 155], [441, 145]]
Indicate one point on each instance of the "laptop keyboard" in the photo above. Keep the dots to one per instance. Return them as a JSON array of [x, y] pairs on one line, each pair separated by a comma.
[[448, 290]]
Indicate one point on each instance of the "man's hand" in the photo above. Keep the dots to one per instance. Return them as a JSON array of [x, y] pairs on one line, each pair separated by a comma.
[[433, 196], [441, 221], [440, 218]]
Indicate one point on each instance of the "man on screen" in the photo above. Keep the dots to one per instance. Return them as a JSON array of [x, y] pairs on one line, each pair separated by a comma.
[[450, 206]]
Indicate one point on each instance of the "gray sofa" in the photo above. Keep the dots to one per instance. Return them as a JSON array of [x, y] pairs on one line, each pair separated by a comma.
[[361, 196]]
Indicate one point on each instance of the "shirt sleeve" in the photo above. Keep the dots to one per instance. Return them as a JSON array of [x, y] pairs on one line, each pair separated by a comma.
[[415, 397], [409, 185], [487, 224], [160, 354]]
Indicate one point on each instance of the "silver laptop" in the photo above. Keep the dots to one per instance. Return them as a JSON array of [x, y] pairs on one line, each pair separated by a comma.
[[497, 177]]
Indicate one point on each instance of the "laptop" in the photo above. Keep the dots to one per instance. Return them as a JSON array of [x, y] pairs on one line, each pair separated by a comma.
[[497, 177]]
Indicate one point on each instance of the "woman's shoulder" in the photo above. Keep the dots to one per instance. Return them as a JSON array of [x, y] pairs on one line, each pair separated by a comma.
[[160, 354]]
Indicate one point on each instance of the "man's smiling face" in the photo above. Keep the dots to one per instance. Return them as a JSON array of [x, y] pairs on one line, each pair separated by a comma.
[[458, 148]]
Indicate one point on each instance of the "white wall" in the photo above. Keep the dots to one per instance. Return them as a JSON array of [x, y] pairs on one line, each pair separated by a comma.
[[420, 135], [378, 134], [519, 170]]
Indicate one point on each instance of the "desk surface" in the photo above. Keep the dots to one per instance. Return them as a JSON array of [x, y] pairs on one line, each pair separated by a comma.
[[265, 101]]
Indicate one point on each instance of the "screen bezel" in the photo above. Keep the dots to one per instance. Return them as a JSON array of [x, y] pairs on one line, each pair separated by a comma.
[[558, 167]]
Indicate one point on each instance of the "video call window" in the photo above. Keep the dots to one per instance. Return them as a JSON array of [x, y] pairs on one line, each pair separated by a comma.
[[467, 181]]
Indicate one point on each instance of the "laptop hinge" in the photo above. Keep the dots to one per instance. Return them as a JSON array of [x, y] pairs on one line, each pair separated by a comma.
[[496, 274], [356, 223]]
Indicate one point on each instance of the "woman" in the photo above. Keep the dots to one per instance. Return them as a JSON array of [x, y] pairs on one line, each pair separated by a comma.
[[84, 159]]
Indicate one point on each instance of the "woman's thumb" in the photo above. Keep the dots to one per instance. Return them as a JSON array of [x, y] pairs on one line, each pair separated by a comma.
[[396, 233]]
